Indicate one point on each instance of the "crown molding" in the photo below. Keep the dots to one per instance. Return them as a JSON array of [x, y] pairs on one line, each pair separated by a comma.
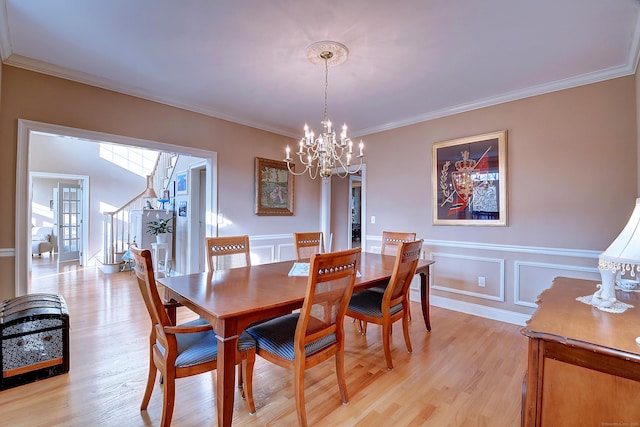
[[5, 40], [568, 83], [92, 80], [628, 68]]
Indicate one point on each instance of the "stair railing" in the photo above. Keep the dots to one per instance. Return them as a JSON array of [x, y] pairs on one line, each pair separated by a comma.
[[117, 228]]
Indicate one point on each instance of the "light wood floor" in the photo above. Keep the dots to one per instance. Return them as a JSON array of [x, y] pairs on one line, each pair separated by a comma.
[[466, 372]]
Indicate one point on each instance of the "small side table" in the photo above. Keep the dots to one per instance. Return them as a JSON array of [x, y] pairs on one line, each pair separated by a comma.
[[156, 251]]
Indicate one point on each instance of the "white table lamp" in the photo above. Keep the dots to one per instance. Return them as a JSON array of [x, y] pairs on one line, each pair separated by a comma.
[[621, 257]]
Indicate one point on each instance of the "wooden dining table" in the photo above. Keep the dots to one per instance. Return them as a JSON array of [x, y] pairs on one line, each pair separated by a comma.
[[233, 299]]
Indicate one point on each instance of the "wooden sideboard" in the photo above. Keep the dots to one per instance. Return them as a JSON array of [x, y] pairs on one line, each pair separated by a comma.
[[584, 363]]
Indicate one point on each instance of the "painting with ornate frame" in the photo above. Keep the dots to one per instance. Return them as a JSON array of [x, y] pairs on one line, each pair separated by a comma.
[[273, 187], [470, 180]]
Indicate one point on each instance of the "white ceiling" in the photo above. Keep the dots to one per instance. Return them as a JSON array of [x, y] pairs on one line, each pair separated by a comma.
[[244, 60]]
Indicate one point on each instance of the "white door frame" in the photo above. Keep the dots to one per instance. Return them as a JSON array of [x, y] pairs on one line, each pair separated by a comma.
[[325, 207], [23, 188], [352, 179], [195, 250]]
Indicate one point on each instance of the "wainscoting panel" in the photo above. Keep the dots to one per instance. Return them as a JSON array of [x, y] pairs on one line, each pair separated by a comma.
[[286, 252], [531, 278], [271, 248], [261, 253], [514, 275], [462, 274]]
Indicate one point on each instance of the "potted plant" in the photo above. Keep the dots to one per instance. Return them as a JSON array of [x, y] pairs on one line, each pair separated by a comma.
[[161, 229]]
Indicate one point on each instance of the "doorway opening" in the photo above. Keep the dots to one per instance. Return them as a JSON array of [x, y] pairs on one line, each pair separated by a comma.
[[355, 216], [336, 210], [27, 128], [53, 209]]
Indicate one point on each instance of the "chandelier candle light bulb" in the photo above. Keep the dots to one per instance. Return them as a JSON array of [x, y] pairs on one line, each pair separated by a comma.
[[326, 155]]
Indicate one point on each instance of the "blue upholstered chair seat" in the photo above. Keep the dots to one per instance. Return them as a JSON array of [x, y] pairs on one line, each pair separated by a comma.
[[276, 336], [369, 302], [202, 347], [379, 289]]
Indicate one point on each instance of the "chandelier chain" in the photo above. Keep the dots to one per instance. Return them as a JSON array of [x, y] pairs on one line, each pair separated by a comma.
[[326, 87]]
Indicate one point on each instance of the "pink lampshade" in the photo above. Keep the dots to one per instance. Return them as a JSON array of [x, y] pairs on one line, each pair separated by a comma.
[[149, 192]]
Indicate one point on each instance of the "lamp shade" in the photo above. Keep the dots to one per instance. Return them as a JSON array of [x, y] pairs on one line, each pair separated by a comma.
[[624, 252], [149, 192]]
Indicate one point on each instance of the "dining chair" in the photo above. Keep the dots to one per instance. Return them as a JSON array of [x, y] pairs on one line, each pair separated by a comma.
[[184, 350], [301, 340], [307, 244], [228, 252], [390, 242], [386, 308]]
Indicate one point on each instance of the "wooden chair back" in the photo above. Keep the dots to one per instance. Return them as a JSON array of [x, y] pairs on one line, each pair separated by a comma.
[[407, 257], [149, 291], [385, 309], [228, 252], [391, 240], [307, 244], [329, 288]]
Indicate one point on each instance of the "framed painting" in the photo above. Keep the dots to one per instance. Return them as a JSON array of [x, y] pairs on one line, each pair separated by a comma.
[[470, 180], [273, 187], [182, 185]]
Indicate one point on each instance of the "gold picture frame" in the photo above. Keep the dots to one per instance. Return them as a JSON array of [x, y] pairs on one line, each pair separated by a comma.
[[274, 189], [470, 180]]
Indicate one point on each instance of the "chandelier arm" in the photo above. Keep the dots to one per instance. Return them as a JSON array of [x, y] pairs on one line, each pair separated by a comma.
[[295, 173]]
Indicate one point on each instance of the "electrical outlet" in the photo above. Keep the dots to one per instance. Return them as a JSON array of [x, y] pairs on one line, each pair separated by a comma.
[[481, 281], [373, 219]]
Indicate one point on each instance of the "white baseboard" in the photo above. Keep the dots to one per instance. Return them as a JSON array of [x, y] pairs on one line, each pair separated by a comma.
[[480, 310]]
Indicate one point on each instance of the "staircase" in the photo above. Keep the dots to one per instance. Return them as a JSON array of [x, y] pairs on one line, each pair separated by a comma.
[[116, 225]]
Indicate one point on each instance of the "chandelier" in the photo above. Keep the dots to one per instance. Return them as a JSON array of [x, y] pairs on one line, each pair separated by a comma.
[[325, 154]]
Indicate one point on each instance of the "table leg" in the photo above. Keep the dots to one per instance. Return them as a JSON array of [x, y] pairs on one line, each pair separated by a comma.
[[424, 299], [226, 377]]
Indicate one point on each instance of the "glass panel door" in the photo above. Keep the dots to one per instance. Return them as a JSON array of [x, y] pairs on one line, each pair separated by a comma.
[[69, 222]]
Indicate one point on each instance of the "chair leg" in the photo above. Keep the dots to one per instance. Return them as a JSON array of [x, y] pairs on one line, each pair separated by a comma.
[[386, 344], [169, 400], [151, 379], [247, 367], [151, 376], [342, 383], [298, 383], [362, 326], [405, 329]]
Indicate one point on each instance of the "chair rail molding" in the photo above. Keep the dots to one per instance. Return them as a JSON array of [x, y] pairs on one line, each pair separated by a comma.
[[7, 252]]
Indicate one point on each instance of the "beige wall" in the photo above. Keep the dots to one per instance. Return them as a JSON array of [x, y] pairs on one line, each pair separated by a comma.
[[572, 182], [42, 98], [571, 168], [572, 178]]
